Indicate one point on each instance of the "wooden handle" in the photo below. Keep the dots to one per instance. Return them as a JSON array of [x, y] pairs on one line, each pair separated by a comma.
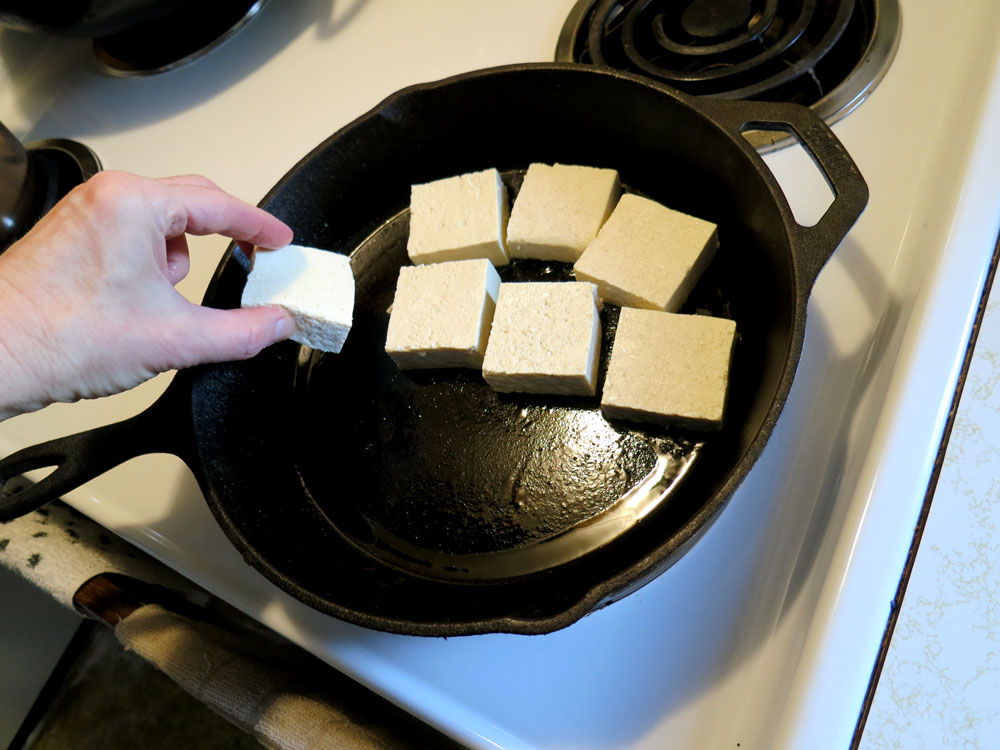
[[105, 600]]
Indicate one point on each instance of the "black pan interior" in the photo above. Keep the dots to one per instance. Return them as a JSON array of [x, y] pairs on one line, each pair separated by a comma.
[[464, 483], [302, 453]]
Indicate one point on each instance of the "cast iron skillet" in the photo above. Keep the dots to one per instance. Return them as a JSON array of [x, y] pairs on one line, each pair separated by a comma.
[[424, 503]]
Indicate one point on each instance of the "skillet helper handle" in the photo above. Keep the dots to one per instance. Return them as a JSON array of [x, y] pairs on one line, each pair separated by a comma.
[[81, 457], [815, 244]]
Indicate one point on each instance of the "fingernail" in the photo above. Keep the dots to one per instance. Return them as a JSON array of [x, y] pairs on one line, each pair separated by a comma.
[[283, 328]]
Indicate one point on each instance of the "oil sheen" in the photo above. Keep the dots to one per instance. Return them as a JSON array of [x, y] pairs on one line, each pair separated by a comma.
[[435, 473]]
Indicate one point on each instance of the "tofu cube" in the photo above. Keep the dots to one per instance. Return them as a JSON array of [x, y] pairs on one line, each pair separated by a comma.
[[315, 286], [648, 255], [668, 368], [441, 314], [459, 218], [559, 211], [545, 339]]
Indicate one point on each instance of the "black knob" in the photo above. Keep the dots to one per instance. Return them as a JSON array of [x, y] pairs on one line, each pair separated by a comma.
[[17, 188]]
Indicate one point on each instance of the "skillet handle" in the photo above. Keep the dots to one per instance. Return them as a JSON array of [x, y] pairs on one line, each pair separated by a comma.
[[815, 244], [81, 457]]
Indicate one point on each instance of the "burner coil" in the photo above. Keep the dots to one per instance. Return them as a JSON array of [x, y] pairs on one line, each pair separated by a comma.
[[772, 50]]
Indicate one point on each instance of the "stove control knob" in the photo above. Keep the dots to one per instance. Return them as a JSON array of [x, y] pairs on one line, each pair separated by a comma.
[[17, 189]]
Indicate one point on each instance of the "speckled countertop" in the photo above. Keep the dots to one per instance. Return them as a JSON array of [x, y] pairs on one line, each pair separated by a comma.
[[940, 683]]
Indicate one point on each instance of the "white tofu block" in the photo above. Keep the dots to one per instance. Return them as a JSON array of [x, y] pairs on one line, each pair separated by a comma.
[[441, 314], [315, 286], [546, 339], [459, 218], [667, 368], [647, 255], [559, 211]]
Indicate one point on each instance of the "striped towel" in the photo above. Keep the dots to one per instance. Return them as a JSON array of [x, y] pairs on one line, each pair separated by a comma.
[[252, 677]]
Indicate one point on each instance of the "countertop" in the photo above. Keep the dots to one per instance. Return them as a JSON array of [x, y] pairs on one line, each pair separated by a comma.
[[941, 676]]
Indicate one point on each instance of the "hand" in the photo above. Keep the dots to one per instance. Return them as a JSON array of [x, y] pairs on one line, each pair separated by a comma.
[[87, 302]]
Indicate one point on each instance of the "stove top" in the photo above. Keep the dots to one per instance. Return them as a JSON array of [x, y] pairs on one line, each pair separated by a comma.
[[774, 618]]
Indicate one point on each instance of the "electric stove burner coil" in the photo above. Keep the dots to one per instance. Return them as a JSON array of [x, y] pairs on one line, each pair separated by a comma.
[[828, 54]]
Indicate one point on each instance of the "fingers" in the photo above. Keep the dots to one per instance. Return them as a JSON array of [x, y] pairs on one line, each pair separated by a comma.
[[178, 259], [264, 237], [224, 335], [196, 180], [188, 203], [200, 210]]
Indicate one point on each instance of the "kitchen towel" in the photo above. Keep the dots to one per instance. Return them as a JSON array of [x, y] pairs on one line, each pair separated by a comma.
[[265, 699], [258, 681], [58, 549]]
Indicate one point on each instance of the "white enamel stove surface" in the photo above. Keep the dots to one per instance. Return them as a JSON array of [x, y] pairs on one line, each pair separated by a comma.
[[765, 634]]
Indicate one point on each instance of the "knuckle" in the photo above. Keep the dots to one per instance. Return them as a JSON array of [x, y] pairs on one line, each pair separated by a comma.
[[248, 343], [197, 180], [108, 191], [108, 184]]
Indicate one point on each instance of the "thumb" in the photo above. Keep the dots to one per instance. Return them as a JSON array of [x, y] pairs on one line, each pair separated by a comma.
[[225, 335]]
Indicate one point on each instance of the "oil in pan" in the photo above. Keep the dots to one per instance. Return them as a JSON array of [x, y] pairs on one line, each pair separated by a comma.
[[434, 472]]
